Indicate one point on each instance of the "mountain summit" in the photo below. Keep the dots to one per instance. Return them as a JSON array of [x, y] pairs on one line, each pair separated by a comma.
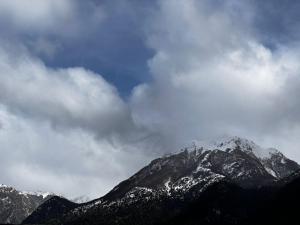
[[235, 159], [168, 184], [274, 162], [16, 205]]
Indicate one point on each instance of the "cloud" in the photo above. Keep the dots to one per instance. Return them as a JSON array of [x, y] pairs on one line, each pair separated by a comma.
[[37, 157], [213, 77], [276, 22], [212, 73], [49, 21], [104, 36], [35, 14], [65, 97], [61, 128]]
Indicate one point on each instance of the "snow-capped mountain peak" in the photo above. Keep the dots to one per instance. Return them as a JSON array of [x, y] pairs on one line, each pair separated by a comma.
[[275, 163], [237, 159], [186, 175], [234, 142], [17, 205]]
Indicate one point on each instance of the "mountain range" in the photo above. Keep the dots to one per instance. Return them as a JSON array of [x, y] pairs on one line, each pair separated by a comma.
[[16, 205], [229, 181]]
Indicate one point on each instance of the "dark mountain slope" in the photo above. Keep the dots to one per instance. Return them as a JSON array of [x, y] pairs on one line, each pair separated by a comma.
[[285, 205], [224, 203], [52, 208]]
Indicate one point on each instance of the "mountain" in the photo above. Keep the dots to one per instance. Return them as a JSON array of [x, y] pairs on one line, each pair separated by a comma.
[[227, 180], [52, 208], [228, 204], [236, 159], [284, 207], [16, 205]]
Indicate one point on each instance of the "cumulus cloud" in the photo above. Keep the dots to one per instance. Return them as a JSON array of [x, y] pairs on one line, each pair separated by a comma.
[[213, 77], [66, 97], [61, 128], [64, 127]]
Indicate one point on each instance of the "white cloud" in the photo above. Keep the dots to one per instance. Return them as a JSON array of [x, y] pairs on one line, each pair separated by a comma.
[[63, 128], [36, 14], [212, 77], [59, 18], [36, 157], [66, 97]]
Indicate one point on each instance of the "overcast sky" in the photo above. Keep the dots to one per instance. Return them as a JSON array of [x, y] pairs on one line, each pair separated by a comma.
[[92, 90]]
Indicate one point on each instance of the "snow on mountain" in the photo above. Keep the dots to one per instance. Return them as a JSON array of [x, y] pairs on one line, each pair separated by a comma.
[[197, 167], [225, 143], [37, 193], [16, 205], [182, 177], [274, 162]]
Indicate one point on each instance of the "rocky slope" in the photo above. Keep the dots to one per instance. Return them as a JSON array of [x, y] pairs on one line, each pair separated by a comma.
[[15, 205], [163, 190]]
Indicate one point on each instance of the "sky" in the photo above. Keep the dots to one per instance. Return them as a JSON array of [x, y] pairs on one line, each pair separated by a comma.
[[91, 91]]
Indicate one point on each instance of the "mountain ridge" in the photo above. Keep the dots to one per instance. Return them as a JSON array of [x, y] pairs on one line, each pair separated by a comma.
[[182, 177], [16, 205]]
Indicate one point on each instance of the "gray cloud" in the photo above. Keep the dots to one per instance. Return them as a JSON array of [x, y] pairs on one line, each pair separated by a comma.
[[64, 127], [213, 77], [66, 97], [40, 158], [60, 17], [212, 73], [104, 36]]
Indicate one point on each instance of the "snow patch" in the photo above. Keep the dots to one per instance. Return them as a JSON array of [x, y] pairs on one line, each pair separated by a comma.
[[231, 143], [271, 172]]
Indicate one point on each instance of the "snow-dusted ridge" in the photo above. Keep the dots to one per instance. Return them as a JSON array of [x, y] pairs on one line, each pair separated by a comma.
[[185, 175], [232, 142], [229, 144], [37, 193], [16, 205], [43, 194], [200, 165]]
